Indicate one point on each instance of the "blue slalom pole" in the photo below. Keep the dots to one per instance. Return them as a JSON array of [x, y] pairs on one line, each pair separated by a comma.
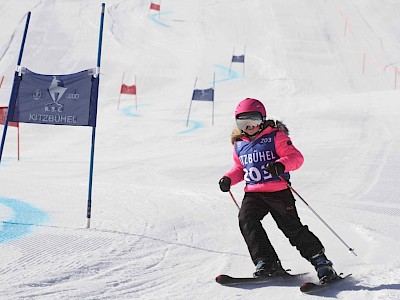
[[21, 51], [89, 204]]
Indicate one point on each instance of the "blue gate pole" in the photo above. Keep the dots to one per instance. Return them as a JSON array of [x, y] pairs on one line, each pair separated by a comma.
[[191, 100], [89, 204], [213, 89], [21, 51]]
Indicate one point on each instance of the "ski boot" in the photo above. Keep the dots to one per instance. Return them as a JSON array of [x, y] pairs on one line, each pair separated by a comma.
[[273, 269], [323, 266]]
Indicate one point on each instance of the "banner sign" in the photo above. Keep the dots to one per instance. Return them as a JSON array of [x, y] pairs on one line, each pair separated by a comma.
[[203, 95], [128, 89], [238, 58], [55, 99], [155, 6]]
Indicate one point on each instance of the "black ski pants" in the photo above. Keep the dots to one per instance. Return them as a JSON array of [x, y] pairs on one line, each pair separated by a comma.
[[281, 205]]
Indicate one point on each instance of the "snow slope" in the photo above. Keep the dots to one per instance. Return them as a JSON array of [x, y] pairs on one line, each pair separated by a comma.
[[160, 227]]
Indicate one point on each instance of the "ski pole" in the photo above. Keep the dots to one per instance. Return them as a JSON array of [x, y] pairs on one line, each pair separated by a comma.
[[233, 198], [315, 213]]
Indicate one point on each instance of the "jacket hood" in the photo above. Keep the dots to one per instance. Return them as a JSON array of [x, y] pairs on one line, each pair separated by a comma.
[[274, 123]]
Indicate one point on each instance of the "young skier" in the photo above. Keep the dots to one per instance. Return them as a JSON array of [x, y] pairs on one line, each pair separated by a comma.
[[263, 151]]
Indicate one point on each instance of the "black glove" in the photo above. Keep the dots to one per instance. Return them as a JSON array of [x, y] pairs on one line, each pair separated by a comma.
[[275, 168], [225, 184]]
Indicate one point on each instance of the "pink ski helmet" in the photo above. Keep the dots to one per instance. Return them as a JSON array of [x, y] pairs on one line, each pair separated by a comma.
[[250, 105]]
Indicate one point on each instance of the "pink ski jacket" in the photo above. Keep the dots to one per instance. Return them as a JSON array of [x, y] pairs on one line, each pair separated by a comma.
[[289, 156]]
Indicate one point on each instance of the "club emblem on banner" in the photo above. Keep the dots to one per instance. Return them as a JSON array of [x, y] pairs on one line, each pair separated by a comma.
[[37, 95], [56, 92]]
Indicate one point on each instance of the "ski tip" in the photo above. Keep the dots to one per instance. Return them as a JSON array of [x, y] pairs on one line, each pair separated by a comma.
[[222, 278]]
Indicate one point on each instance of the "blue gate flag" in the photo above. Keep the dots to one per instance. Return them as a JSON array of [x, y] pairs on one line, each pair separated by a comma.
[[55, 99], [203, 95], [238, 58]]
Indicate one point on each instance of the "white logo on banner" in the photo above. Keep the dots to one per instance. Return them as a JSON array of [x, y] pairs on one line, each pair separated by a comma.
[[56, 92]]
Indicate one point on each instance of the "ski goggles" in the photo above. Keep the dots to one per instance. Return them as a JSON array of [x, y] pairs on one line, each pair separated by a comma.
[[245, 120]]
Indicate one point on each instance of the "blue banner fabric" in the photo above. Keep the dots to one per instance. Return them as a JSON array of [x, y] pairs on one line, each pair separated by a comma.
[[203, 95], [55, 99], [238, 58]]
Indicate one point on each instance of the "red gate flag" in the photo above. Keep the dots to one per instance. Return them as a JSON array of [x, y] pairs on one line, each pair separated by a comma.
[[3, 117], [155, 6], [128, 89]]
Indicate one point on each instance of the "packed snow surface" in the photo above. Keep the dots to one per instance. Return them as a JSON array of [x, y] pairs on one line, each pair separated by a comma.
[[160, 227]]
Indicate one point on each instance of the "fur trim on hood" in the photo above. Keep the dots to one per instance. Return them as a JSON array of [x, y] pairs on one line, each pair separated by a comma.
[[277, 124], [274, 123]]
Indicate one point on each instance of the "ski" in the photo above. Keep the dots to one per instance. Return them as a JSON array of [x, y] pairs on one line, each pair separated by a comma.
[[224, 279], [314, 287]]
